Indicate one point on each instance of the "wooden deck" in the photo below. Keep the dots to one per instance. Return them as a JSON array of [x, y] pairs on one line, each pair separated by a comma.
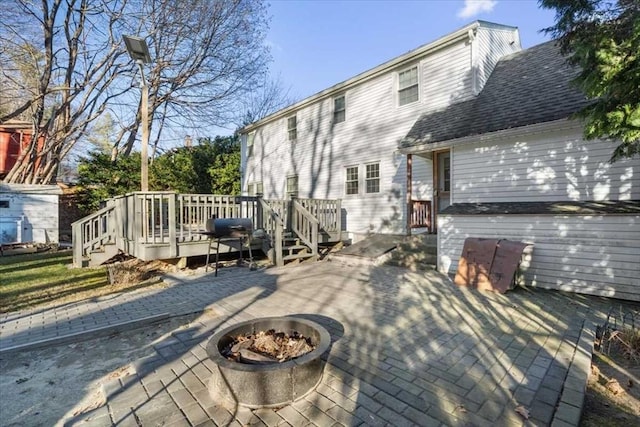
[[165, 225]]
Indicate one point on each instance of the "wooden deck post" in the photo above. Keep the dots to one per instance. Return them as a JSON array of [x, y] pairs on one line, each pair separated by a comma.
[[173, 241]]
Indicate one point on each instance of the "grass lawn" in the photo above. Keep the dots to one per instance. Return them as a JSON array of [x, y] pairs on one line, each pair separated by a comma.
[[35, 279]]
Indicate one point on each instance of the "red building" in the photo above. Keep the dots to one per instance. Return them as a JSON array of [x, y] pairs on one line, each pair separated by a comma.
[[15, 136]]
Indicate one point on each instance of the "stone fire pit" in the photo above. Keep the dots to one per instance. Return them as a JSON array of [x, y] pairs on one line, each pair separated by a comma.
[[267, 385]]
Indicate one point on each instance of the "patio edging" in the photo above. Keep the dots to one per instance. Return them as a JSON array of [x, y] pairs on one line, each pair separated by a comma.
[[571, 402]]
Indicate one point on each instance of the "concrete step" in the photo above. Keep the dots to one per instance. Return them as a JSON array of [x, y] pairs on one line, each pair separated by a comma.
[[413, 263]]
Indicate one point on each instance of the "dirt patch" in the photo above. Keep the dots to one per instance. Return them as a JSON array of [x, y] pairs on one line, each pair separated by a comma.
[[48, 387], [613, 390]]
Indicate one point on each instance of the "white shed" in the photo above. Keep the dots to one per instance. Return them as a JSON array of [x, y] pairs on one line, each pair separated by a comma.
[[29, 213]]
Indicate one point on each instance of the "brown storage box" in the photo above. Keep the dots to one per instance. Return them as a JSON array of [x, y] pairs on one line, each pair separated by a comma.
[[489, 264]]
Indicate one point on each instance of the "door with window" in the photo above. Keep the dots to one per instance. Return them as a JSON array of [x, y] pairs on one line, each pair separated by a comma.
[[441, 183]]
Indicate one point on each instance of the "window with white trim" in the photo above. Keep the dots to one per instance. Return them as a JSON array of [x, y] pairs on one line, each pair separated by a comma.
[[254, 188], [292, 185], [259, 188], [372, 178], [339, 109], [351, 180], [408, 86], [292, 125], [250, 138]]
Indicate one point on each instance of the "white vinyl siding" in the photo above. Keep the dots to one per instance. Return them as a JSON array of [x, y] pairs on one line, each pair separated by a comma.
[[594, 254], [323, 151], [543, 167], [370, 133], [408, 86], [489, 46], [446, 77], [35, 213]]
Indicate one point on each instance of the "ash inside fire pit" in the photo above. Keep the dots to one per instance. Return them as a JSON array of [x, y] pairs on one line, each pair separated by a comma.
[[267, 347]]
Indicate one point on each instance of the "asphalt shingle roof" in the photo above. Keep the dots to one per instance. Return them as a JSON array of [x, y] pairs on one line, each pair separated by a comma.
[[527, 87]]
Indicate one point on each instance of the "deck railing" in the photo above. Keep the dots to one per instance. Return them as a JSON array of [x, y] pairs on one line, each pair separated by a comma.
[[92, 232], [166, 219], [327, 212], [273, 226], [421, 214], [305, 225]]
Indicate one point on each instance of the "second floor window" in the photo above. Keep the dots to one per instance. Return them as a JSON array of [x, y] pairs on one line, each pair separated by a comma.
[[408, 86], [339, 109], [292, 124]]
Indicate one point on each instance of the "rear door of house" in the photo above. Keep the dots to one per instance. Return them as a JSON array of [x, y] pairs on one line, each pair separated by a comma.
[[441, 183]]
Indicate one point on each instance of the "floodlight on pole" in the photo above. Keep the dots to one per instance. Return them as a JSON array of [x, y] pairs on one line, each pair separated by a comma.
[[139, 52]]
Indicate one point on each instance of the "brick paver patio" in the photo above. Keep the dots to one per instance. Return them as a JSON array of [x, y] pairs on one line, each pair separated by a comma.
[[408, 348]]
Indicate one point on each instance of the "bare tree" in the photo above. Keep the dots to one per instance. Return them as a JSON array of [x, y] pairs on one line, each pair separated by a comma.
[[206, 56], [267, 98], [74, 69]]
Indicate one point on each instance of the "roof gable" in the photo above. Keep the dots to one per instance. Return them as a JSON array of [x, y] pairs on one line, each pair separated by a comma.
[[386, 67], [527, 87]]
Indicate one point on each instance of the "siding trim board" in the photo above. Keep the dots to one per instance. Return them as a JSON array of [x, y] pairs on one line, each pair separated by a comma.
[[596, 254], [545, 208]]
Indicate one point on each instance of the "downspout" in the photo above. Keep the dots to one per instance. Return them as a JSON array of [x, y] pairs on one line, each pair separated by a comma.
[[409, 190]]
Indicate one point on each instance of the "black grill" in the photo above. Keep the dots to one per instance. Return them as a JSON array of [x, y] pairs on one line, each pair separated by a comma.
[[239, 229], [229, 227]]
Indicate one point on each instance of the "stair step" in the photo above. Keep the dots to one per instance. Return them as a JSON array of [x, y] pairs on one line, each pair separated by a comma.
[[299, 255], [295, 247]]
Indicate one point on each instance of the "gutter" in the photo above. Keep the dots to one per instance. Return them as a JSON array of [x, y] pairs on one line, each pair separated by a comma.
[[456, 36]]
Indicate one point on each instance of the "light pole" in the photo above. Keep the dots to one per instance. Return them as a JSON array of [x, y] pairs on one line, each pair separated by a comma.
[[139, 52]]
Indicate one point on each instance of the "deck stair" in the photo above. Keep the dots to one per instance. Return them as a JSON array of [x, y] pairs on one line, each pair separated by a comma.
[[294, 250], [164, 225]]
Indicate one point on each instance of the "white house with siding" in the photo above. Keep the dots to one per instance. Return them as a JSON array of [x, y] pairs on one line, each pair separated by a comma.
[[342, 143], [476, 130], [520, 170]]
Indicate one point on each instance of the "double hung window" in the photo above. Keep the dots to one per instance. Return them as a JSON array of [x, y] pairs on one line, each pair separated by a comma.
[[408, 86]]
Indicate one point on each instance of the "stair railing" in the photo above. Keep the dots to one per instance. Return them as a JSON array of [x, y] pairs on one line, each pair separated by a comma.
[[273, 226], [92, 233], [305, 226], [327, 211]]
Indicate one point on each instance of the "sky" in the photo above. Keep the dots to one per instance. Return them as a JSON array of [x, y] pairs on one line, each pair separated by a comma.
[[318, 43]]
